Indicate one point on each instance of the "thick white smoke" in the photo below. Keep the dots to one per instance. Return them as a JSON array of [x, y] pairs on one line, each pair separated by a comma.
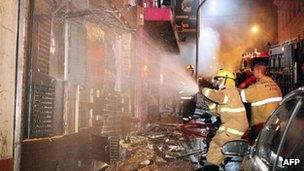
[[177, 80], [209, 44]]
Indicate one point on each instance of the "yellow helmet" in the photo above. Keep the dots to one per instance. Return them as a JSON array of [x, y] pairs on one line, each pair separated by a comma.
[[189, 67], [227, 76]]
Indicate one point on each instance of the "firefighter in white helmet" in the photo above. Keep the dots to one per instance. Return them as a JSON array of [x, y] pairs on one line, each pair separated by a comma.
[[230, 110]]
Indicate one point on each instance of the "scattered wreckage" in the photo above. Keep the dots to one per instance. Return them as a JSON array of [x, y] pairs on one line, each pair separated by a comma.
[[165, 146]]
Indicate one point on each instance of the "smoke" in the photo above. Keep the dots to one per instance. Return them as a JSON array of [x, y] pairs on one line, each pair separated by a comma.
[[237, 37], [225, 32], [209, 44], [165, 78], [224, 37], [177, 80], [162, 53], [234, 44]]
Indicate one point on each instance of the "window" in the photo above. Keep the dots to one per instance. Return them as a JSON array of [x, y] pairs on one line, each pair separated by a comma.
[[302, 6], [294, 9], [290, 15], [272, 62], [272, 133], [298, 6], [281, 19], [293, 145], [284, 19]]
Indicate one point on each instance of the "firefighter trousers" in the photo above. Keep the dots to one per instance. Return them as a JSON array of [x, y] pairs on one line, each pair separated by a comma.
[[214, 154]]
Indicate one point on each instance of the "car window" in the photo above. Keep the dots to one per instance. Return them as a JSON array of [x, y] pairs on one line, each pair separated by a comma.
[[293, 144], [273, 130]]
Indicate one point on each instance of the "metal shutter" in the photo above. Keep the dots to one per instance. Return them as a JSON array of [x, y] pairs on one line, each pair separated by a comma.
[[42, 85], [43, 38], [42, 110]]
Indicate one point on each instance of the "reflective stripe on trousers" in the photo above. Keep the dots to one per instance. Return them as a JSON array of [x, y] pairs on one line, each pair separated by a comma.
[[232, 110], [231, 130], [186, 97], [212, 106]]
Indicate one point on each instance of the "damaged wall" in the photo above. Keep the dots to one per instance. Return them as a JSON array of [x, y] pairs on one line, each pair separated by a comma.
[[85, 86], [8, 34], [127, 12]]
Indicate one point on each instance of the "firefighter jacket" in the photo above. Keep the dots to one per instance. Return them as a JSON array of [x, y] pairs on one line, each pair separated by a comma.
[[229, 107], [233, 116], [264, 96]]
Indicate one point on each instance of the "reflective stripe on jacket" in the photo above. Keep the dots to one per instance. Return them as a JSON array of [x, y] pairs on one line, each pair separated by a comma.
[[264, 96]]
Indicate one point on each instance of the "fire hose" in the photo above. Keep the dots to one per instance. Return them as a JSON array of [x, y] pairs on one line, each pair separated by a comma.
[[198, 130], [195, 129]]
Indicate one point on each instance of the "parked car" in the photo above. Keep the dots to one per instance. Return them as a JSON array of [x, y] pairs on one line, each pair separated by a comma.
[[280, 145]]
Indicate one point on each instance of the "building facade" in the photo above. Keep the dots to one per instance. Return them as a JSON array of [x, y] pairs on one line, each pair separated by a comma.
[[290, 19], [70, 70], [65, 66]]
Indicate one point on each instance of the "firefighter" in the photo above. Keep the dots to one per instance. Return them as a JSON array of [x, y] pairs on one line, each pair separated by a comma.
[[264, 95], [190, 70], [188, 101], [231, 111]]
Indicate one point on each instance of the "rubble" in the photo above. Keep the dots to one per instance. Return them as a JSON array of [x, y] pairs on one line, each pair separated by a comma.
[[145, 163], [160, 146], [175, 148]]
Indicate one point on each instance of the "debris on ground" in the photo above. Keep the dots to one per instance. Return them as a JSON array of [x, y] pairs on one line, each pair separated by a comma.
[[161, 146]]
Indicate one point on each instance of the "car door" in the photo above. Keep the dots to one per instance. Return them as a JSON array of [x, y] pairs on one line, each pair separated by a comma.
[[291, 149], [272, 134]]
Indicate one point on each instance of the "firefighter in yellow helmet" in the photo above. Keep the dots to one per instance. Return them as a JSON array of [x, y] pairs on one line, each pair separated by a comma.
[[231, 111], [264, 96], [187, 101], [190, 70]]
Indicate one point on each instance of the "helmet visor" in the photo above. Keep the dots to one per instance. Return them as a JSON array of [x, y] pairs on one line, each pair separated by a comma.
[[218, 82]]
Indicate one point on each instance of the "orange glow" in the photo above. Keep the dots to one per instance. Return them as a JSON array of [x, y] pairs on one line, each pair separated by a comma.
[[254, 29], [145, 68]]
